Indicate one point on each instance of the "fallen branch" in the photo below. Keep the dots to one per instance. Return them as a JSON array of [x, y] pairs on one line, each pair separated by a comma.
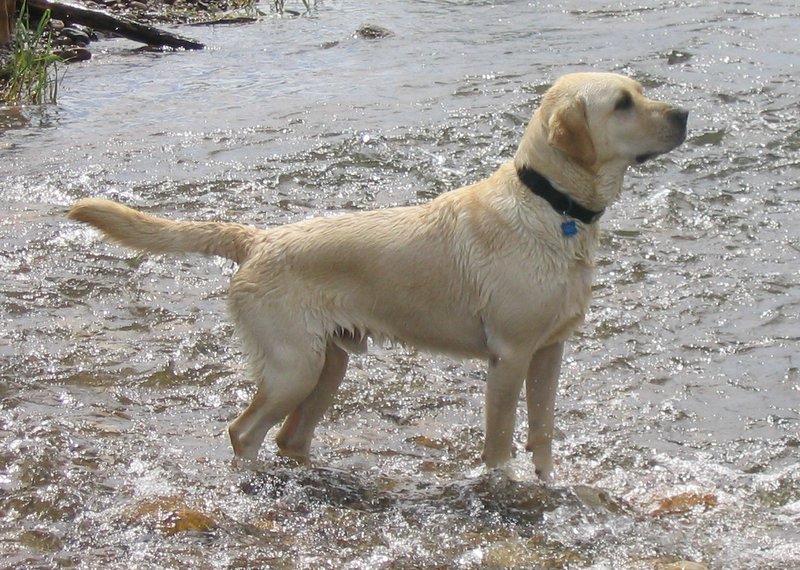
[[232, 21], [105, 22]]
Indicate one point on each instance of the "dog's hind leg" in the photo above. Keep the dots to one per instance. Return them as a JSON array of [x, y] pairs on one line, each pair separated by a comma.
[[287, 365], [294, 438]]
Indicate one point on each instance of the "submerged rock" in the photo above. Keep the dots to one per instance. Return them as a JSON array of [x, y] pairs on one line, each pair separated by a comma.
[[678, 56], [490, 496], [598, 499], [684, 565], [530, 553], [74, 54], [683, 503], [170, 515], [373, 32], [323, 485]]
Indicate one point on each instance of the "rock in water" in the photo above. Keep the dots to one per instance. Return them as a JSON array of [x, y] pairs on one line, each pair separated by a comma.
[[372, 32], [75, 36]]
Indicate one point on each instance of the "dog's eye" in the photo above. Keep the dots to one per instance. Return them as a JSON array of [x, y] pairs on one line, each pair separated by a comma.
[[624, 103]]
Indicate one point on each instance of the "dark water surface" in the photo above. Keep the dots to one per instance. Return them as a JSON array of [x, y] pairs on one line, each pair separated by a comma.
[[679, 400]]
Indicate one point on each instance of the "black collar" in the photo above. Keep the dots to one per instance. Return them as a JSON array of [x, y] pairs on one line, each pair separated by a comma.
[[560, 202]]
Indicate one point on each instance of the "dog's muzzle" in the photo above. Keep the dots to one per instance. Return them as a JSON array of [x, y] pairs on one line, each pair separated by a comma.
[[678, 119]]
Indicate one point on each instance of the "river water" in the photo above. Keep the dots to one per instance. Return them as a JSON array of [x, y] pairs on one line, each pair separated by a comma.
[[679, 402]]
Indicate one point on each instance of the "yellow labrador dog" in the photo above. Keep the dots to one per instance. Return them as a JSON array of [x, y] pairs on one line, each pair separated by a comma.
[[500, 269]]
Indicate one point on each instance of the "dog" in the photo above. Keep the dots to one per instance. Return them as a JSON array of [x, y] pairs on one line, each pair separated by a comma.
[[499, 270]]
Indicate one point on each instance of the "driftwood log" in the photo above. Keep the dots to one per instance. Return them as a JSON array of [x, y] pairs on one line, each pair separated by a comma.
[[102, 21]]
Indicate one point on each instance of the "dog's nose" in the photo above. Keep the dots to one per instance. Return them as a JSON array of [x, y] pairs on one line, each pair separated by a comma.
[[678, 117]]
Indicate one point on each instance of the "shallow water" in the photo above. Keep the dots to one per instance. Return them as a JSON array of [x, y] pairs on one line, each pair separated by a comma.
[[678, 407]]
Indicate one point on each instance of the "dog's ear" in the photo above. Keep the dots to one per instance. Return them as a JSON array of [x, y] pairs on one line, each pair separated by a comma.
[[568, 131]]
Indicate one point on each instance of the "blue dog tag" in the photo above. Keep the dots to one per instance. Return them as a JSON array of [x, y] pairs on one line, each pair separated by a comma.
[[569, 228]]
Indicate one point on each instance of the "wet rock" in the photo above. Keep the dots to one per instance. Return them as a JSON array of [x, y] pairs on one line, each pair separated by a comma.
[[56, 25], [170, 515], [535, 552], [599, 499], [103, 428], [41, 539], [677, 56], [75, 36], [428, 442], [683, 503], [530, 553], [323, 485], [684, 565], [494, 495], [86, 30], [710, 138], [74, 54], [372, 32]]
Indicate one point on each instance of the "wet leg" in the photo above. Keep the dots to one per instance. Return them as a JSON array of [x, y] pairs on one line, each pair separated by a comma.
[[503, 386], [294, 438], [541, 386], [285, 378]]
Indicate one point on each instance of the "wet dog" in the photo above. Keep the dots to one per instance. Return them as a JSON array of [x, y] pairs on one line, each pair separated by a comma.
[[500, 270]]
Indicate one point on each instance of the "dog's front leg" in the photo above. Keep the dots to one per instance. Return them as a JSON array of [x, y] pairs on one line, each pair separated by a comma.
[[541, 385], [503, 386]]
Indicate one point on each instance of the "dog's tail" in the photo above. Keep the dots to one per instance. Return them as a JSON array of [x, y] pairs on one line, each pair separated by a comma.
[[144, 232]]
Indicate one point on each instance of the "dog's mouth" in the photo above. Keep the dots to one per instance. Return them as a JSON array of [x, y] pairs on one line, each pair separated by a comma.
[[677, 141]]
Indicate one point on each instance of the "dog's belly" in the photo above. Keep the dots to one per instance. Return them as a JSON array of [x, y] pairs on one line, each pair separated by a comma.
[[441, 332], [451, 336], [528, 319]]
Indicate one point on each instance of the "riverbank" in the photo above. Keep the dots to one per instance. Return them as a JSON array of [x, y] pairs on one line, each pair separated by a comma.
[[76, 26], [64, 31]]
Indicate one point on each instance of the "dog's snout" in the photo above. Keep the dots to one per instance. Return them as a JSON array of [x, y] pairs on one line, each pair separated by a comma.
[[679, 117]]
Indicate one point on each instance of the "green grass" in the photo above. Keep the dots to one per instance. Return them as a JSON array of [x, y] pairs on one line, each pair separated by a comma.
[[29, 74]]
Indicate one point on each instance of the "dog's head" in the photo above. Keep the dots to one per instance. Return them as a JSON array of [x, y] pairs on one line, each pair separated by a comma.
[[596, 119]]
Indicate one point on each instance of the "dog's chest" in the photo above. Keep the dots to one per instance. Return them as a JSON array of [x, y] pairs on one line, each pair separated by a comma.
[[571, 300], [545, 291], [578, 287]]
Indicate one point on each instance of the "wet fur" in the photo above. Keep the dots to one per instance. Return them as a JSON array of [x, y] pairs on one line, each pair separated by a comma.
[[483, 272]]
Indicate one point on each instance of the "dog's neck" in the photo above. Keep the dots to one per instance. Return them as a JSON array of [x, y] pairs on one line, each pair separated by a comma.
[[560, 201], [595, 190]]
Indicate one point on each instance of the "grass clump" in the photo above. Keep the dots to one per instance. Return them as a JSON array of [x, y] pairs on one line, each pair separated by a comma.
[[28, 73]]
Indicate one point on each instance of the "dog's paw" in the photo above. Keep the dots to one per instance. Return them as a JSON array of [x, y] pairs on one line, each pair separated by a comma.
[[544, 469]]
